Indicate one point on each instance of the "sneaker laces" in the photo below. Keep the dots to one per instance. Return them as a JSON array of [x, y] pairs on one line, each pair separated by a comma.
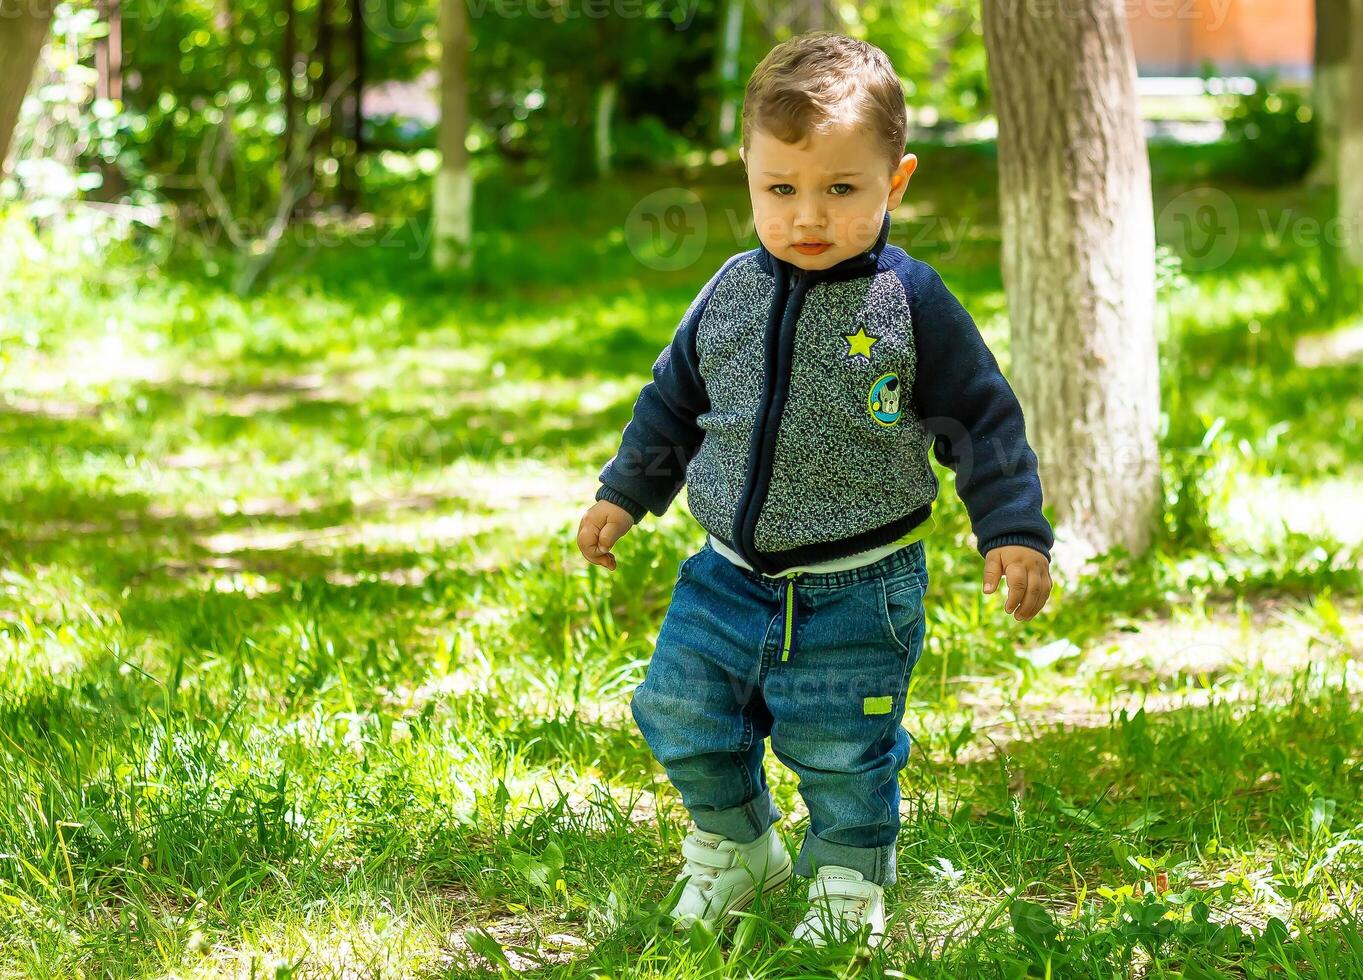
[[703, 862], [833, 898], [840, 905], [702, 878]]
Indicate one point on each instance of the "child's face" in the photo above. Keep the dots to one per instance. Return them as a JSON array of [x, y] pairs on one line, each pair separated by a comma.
[[834, 188]]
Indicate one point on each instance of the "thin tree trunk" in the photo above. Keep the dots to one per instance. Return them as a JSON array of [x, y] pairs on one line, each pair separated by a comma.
[[815, 16], [354, 105], [288, 72], [357, 43], [109, 53], [727, 69], [326, 55], [453, 181], [1329, 86], [1350, 198], [783, 19], [1078, 263], [224, 146], [23, 29], [1350, 179], [109, 86], [601, 125]]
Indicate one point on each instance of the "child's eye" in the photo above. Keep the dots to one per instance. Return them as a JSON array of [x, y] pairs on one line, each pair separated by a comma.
[[779, 192]]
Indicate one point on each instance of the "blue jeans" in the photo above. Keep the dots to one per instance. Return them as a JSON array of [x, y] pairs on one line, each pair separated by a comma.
[[718, 685]]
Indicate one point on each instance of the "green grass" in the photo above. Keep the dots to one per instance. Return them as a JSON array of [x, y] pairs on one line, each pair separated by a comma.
[[306, 678]]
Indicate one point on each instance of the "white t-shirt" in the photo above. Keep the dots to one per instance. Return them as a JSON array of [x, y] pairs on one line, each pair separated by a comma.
[[837, 564]]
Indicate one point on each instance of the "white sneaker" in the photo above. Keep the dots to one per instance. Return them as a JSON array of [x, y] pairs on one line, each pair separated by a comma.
[[725, 875], [841, 903]]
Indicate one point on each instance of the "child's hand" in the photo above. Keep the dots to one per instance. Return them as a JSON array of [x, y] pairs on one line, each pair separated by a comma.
[[1029, 578], [603, 525]]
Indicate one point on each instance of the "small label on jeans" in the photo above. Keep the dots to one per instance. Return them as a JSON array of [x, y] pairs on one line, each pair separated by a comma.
[[877, 706]]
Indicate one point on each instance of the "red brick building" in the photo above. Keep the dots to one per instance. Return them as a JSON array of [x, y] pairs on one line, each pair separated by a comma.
[[1173, 37]]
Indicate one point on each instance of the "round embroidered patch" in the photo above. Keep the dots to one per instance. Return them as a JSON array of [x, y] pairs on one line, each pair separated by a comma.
[[882, 401]]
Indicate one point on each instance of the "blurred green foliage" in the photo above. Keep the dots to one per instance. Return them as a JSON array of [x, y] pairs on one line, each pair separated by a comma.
[[68, 140], [534, 78], [1274, 131]]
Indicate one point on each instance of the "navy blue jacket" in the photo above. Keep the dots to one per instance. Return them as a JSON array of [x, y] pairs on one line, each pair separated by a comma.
[[798, 407]]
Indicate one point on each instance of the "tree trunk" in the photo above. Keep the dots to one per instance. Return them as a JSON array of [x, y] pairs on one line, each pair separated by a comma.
[[109, 86], [1328, 87], [225, 21], [322, 135], [109, 53], [358, 54], [354, 110], [288, 72], [782, 20], [815, 18], [453, 181], [727, 69], [23, 29], [601, 126], [1350, 198], [1078, 264]]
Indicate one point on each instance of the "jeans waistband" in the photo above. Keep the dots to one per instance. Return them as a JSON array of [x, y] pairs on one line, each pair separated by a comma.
[[906, 557]]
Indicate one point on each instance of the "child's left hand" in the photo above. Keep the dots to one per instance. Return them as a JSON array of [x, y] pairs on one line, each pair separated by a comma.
[[1029, 578]]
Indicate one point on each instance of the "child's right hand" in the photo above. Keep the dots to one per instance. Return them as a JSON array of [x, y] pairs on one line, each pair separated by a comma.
[[603, 525]]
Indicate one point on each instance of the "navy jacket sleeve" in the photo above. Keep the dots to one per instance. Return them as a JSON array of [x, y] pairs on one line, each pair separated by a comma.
[[648, 471], [968, 406]]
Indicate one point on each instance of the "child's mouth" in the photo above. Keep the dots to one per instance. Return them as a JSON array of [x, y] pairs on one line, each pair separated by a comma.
[[811, 248]]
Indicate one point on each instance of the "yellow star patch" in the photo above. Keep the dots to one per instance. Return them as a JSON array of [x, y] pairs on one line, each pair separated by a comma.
[[859, 343]]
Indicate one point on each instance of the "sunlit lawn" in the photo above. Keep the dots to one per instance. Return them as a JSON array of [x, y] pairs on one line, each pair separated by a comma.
[[306, 678]]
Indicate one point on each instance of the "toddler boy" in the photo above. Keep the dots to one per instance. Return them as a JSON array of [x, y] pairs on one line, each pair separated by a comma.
[[797, 401]]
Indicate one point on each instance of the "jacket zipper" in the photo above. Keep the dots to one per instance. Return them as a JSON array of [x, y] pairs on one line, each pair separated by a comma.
[[790, 290], [792, 284]]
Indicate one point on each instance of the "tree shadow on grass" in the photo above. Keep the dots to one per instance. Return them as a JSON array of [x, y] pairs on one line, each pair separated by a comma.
[[1244, 772]]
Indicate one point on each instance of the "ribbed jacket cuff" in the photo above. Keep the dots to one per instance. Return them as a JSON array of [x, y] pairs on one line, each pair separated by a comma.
[[636, 511], [1026, 540]]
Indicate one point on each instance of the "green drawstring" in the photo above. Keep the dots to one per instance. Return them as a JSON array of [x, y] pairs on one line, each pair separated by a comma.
[[790, 612]]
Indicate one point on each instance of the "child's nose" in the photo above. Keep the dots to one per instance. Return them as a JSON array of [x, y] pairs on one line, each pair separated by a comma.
[[809, 218]]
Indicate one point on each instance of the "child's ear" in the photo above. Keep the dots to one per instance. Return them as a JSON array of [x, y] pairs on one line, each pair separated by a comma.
[[900, 178]]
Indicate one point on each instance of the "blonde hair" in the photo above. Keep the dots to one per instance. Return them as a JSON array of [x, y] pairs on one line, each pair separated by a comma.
[[821, 77]]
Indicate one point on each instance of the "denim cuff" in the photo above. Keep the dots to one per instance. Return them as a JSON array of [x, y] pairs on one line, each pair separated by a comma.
[[743, 823], [875, 863]]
